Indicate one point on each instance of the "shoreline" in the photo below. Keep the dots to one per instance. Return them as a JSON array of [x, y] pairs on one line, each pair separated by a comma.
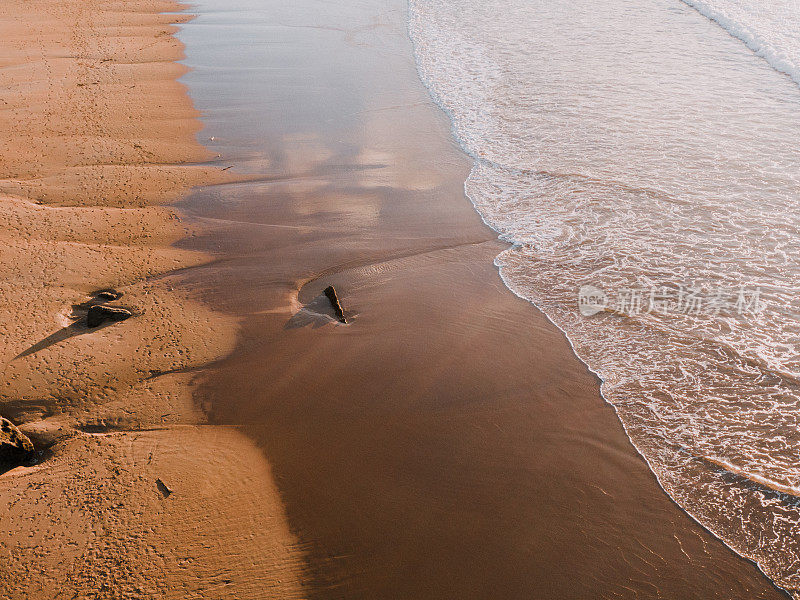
[[447, 442]]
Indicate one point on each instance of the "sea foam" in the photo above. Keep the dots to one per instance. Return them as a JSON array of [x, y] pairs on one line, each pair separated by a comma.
[[636, 148], [770, 29]]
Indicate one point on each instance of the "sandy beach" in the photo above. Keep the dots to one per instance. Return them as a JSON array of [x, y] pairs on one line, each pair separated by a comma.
[[445, 443], [97, 136]]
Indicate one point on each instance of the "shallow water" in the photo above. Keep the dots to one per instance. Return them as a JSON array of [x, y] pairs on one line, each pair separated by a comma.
[[640, 152]]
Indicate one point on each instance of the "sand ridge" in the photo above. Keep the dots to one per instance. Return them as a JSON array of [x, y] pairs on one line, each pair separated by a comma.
[[98, 136]]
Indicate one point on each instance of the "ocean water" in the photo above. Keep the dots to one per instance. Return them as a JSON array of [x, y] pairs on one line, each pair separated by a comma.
[[642, 158]]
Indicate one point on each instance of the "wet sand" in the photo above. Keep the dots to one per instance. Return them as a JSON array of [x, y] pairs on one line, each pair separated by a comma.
[[446, 443]]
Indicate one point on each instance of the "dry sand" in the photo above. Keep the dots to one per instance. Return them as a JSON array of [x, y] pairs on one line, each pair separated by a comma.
[[97, 135]]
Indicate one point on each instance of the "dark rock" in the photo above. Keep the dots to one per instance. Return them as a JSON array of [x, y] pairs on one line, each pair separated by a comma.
[[162, 487], [100, 312], [15, 447], [330, 292], [108, 295]]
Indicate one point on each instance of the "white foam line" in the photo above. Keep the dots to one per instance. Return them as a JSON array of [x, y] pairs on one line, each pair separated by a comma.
[[751, 38], [706, 526], [438, 101]]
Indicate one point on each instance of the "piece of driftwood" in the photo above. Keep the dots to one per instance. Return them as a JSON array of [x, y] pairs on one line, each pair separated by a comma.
[[330, 292]]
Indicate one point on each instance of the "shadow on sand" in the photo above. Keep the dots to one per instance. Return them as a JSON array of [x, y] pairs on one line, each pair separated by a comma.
[[75, 329], [78, 327]]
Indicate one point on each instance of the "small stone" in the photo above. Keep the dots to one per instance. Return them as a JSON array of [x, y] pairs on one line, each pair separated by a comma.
[[162, 487], [100, 312], [108, 295]]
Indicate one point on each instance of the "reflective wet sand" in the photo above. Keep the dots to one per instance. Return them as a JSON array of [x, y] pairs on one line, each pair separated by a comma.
[[446, 443]]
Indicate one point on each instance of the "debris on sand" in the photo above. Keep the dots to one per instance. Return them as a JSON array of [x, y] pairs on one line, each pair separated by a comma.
[[15, 447], [162, 487], [108, 294], [330, 292], [100, 312]]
